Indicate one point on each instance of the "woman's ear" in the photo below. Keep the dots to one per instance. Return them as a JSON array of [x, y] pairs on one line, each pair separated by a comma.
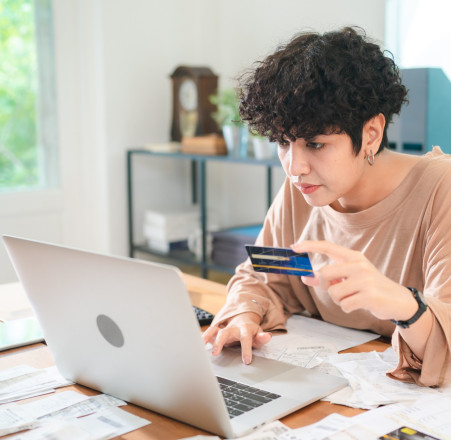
[[372, 135]]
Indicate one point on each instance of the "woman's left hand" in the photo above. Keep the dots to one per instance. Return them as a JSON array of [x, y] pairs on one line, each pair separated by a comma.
[[354, 283]]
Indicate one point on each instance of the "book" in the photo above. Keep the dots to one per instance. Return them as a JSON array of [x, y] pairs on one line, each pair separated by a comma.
[[228, 244], [210, 144], [165, 147]]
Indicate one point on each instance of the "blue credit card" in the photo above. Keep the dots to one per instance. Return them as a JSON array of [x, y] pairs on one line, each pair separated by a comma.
[[279, 260]]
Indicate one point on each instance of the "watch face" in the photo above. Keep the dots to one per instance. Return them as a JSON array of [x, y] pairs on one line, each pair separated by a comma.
[[188, 95]]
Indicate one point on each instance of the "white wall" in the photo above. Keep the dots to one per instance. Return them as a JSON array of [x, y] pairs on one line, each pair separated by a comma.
[[114, 59]]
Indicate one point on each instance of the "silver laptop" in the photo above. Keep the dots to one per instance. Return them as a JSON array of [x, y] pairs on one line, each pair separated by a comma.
[[126, 327]]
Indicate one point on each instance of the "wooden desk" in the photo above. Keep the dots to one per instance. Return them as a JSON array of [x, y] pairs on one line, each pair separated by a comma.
[[208, 295]]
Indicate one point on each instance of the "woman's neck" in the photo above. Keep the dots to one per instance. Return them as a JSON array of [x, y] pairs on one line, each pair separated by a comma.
[[380, 180]]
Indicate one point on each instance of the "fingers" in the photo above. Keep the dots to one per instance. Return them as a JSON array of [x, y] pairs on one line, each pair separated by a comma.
[[334, 251], [223, 336], [310, 281], [322, 281], [246, 346], [349, 276], [261, 339], [209, 335], [352, 281], [248, 335], [217, 337]]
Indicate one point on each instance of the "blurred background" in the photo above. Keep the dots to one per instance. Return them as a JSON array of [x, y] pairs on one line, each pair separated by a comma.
[[84, 81]]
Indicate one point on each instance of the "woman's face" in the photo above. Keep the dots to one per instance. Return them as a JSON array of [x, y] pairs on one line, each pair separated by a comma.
[[326, 171]]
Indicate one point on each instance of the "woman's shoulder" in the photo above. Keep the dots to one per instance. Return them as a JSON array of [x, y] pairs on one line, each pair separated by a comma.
[[418, 178], [437, 153], [432, 166], [431, 178], [437, 156], [437, 164]]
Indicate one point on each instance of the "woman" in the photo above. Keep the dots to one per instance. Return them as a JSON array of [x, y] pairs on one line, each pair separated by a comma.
[[376, 223]]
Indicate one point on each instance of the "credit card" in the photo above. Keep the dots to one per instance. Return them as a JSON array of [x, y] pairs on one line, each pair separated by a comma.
[[405, 433], [279, 260]]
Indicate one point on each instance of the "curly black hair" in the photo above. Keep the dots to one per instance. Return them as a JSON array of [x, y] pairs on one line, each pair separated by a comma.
[[321, 84]]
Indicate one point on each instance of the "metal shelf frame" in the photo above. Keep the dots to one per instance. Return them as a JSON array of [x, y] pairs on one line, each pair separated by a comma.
[[198, 194]]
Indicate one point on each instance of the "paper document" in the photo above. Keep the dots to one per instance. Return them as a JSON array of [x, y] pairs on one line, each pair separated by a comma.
[[15, 418], [66, 415], [369, 386], [319, 430], [271, 431], [428, 414], [66, 404], [87, 406], [341, 337], [109, 423], [309, 340], [24, 381], [55, 402], [292, 349], [369, 425]]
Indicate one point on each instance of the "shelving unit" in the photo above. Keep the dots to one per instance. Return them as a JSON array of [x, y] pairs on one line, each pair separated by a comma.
[[198, 166]]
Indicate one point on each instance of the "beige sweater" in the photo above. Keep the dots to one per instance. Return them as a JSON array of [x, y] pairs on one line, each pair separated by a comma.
[[407, 236]]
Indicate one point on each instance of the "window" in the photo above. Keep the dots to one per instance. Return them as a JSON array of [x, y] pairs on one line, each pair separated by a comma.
[[418, 33], [28, 134]]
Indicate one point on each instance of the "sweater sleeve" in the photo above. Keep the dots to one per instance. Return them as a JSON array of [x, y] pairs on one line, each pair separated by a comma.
[[435, 367]]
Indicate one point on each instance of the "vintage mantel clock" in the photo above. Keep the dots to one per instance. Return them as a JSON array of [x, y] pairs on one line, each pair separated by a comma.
[[191, 106]]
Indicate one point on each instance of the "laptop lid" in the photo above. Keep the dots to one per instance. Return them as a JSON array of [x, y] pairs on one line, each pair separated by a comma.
[[126, 327]]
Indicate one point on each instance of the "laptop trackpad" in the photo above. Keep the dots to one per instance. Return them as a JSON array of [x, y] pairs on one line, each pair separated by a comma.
[[277, 377], [229, 364]]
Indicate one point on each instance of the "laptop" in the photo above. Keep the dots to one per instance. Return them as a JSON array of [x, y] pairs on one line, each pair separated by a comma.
[[126, 327]]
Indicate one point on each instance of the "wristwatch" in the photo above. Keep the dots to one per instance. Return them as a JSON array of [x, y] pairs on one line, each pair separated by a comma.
[[422, 307]]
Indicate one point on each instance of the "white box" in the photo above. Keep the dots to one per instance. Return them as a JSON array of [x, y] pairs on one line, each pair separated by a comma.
[[165, 247], [172, 218], [166, 226], [170, 234]]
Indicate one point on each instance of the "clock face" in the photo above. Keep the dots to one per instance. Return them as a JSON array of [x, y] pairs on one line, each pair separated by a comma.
[[188, 95]]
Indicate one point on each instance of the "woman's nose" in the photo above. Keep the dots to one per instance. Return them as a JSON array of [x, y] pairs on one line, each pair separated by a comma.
[[298, 161]]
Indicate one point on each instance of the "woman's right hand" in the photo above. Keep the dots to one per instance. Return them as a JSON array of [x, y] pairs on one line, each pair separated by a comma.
[[244, 329]]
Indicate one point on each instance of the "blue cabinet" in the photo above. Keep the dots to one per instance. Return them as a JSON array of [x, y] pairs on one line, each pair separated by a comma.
[[426, 120]]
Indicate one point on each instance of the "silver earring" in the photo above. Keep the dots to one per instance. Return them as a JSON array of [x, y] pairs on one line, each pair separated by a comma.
[[370, 158]]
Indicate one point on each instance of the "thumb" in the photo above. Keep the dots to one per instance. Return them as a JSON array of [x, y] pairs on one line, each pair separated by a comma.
[[261, 339], [310, 281]]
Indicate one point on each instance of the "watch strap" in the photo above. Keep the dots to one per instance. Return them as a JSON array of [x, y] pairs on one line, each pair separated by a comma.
[[422, 307]]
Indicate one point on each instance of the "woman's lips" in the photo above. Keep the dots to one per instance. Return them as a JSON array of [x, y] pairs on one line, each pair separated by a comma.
[[307, 188]]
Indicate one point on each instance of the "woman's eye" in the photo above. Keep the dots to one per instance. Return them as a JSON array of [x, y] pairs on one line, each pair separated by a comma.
[[283, 145], [315, 145]]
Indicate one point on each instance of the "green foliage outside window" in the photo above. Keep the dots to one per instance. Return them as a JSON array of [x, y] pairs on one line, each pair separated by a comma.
[[18, 78]]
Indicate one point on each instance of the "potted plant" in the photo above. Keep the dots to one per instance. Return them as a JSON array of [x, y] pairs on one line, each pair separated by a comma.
[[263, 148], [227, 117]]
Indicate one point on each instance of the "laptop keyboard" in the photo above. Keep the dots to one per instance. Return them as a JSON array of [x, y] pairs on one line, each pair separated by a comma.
[[203, 316], [240, 398]]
